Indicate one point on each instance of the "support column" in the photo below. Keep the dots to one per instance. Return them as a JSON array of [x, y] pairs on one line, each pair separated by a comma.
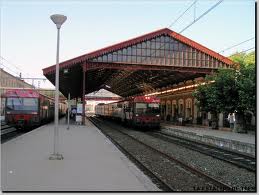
[[83, 95]]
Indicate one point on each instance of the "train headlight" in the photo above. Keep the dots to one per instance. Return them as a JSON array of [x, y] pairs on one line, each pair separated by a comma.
[[136, 114], [158, 115]]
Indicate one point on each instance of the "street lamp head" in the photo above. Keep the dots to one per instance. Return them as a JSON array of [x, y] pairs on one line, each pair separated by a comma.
[[58, 19]]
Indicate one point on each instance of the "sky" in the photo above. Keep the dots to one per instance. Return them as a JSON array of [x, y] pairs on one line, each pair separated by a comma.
[[28, 36]]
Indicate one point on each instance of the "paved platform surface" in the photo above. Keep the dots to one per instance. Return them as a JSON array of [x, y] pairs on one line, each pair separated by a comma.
[[91, 163], [245, 138]]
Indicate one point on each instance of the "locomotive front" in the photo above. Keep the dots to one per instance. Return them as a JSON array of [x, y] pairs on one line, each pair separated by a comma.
[[22, 108], [146, 112]]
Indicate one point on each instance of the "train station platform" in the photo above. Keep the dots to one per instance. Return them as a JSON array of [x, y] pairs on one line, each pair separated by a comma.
[[244, 143], [91, 163]]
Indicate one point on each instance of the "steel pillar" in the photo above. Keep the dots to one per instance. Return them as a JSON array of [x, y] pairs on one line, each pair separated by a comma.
[[83, 96], [68, 110], [56, 155]]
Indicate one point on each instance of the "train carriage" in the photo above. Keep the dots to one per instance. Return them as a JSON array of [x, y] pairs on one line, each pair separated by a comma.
[[27, 108], [139, 111]]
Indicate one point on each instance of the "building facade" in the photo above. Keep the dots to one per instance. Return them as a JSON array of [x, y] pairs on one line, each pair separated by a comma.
[[178, 106]]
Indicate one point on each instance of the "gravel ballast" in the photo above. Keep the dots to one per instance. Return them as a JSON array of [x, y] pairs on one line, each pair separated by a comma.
[[171, 173]]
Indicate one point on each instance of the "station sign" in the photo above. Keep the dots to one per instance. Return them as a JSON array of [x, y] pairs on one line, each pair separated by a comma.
[[79, 109]]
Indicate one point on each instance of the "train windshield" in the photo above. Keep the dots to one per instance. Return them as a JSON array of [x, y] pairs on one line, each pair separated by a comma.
[[22, 104], [147, 108]]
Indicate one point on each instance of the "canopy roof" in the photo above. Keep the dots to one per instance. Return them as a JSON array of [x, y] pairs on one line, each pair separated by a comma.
[[136, 66]]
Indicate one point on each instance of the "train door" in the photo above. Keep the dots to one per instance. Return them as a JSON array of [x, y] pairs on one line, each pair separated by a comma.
[[2, 108], [123, 113], [128, 112], [119, 110]]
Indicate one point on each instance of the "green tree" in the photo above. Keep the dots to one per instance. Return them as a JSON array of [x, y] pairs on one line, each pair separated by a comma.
[[230, 90]]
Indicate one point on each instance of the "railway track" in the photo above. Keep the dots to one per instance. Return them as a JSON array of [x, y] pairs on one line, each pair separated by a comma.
[[237, 159], [8, 132], [192, 174], [5, 129], [162, 185]]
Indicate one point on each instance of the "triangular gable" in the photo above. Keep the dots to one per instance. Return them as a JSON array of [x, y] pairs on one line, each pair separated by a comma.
[[167, 32], [161, 50]]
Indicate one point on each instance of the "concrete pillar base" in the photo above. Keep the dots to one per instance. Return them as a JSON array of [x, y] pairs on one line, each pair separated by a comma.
[[56, 157]]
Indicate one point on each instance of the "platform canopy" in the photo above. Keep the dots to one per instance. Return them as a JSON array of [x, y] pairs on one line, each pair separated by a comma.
[[136, 66]]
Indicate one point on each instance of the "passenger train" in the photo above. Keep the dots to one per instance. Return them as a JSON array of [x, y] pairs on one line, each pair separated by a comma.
[[26, 108], [141, 111]]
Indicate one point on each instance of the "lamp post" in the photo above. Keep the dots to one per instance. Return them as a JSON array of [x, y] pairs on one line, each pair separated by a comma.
[[58, 20]]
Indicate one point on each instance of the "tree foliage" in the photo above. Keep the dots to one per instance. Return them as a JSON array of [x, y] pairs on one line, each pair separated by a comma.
[[230, 90]]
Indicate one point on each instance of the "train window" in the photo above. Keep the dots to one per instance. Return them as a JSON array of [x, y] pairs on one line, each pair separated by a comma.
[[25, 104], [147, 108]]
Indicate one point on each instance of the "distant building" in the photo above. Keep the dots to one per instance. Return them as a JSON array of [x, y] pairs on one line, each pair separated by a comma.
[[9, 81], [101, 96]]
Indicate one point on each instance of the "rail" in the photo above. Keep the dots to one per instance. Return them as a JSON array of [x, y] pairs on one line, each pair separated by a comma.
[[6, 129], [218, 184], [240, 160]]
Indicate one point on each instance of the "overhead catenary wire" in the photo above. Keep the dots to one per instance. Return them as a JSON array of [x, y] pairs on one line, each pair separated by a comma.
[[18, 69], [9, 69], [194, 21], [201, 16], [233, 46], [243, 51], [182, 14]]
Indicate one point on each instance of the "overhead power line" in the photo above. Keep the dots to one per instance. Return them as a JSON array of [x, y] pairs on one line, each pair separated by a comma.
[[17, 68], [201, 16], [11, 63], [182, 14], [247, 50], [195, 20], [236, 45], [9, 69]]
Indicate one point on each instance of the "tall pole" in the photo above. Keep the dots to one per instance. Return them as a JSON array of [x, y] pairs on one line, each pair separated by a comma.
[[68, 111], [58, 20], [83, 98], [56, 140]]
